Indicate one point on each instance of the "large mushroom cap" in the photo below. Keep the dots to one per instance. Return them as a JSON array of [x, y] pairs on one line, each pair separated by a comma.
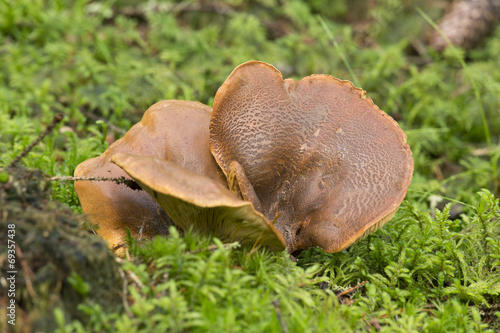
[[176, 131], [318, 153], [194, 200]]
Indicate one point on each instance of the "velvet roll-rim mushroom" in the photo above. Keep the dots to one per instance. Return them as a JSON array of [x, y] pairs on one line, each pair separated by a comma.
[[316, 155]]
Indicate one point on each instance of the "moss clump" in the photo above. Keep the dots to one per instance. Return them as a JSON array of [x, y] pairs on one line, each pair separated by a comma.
[[59, 261]]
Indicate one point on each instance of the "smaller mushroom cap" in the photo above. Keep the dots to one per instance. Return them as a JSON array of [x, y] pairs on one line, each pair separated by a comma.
[[173, 130], [194, 200]]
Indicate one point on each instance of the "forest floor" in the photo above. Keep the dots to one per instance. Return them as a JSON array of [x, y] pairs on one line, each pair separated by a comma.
[[435, 267]]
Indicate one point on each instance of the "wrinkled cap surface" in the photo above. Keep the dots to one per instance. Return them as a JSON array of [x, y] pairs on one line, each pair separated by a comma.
[[316, 154], [194, 200], [173, 130]]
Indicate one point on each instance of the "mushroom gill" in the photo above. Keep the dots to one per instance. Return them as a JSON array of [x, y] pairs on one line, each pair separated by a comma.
[[176, 131], [318, 155], [195, 201]]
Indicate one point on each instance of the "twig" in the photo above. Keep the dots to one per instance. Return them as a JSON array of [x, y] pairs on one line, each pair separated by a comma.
[[28, 273], [276, 218], [119, 246], [386, 315], [429, 312], [277, 308], [375, 324], [366, 321], [350, 290], [118, 180], [125, 247], [124, 293], [481, 152], [56, 120], [135, 278]]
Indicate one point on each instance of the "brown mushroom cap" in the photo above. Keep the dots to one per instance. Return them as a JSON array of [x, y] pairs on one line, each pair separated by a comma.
[[194, 200], [173, 130], [318, 153]]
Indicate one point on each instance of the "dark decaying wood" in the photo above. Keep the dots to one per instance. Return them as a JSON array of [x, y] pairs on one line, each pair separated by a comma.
[[466, 23]]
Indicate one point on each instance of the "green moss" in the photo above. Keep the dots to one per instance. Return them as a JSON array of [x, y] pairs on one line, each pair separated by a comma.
[[102, 63], [58, 262]]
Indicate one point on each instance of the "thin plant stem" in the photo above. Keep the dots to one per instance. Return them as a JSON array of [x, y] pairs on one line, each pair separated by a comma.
[[341, 54], [446, 198], [475, 88], [56, 120]]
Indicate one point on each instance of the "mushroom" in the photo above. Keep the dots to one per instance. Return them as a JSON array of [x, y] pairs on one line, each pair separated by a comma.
[[195, 201], [176, 131], [317, 155]]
